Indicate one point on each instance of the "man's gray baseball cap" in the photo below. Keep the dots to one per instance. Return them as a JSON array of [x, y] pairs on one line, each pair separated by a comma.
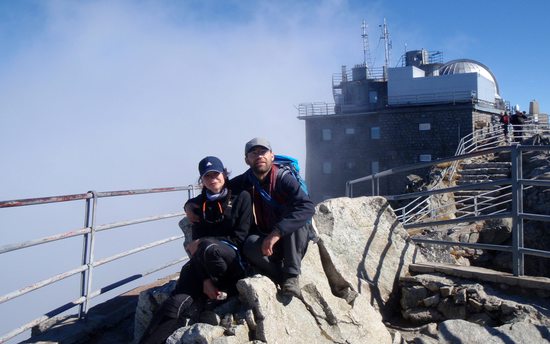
[[257, 141]]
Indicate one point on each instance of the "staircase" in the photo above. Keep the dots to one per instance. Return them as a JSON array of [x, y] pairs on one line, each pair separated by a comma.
[[486, 199]]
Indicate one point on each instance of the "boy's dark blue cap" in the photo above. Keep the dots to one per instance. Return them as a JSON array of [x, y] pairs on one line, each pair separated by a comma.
[[209, 164]]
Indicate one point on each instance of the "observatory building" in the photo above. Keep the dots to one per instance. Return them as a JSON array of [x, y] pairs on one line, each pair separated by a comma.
[[389, 117]]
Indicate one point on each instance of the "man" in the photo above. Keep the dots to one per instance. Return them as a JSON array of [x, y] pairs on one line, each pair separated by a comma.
[[282, 211]]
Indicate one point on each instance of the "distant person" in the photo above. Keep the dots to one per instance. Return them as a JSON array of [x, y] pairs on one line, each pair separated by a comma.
[[282, 212], [222, 222], [518, 120], [505, 120]]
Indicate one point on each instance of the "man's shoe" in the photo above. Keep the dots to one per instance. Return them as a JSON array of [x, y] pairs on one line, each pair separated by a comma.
[[291, 287]]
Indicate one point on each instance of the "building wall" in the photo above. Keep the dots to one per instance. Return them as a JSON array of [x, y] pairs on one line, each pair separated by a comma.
[[346, 147], [408, 84]]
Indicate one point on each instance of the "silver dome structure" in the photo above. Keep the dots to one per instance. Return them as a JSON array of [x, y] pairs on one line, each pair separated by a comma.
[[469, 66]]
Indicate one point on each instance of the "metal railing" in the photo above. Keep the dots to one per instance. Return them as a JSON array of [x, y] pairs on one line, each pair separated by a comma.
[[481, 139], [88, 262], [493, 136], [316, 109], [373, 73], [516, 184]]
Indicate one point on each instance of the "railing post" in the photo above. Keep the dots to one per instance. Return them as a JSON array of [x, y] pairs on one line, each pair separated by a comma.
[[190, 191], [90, 260], [521, 270], [84, 261], [517, 227], [476, 212]]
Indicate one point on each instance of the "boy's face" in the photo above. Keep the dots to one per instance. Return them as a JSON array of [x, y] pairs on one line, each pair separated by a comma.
[[259, 159]]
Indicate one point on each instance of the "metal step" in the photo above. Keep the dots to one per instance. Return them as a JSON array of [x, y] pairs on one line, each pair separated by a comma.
[[478, 178], [492, 170], [494, 164]]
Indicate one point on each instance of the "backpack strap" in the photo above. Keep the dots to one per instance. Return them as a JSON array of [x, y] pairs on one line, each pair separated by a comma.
[[273, 181]]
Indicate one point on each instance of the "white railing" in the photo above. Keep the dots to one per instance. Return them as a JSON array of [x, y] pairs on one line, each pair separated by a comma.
[[86, 266]]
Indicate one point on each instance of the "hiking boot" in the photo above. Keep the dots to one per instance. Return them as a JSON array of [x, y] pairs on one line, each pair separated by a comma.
[[291, 287]]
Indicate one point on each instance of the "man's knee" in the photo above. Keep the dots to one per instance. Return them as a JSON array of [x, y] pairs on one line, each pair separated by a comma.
[[177, 306]]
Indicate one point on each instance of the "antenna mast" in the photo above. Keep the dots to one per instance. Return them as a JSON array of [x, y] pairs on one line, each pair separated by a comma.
[[387, 48], [366, 50]]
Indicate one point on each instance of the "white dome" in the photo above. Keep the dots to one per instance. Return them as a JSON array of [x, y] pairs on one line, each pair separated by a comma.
[[469, 66]]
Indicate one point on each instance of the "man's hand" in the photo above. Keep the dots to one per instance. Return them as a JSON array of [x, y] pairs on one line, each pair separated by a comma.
[[193, 246], [189, 209], [210, 289], [269, 242]]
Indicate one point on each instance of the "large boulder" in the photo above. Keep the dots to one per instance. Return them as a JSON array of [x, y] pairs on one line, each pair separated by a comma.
[[319, 317], [367, 247]]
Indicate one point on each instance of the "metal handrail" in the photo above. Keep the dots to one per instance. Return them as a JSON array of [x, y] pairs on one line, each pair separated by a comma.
[[316, 109], [88, 263], [493, 136], [517, 184]]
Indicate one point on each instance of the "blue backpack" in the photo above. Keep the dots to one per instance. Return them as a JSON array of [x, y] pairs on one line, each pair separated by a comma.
[[290, 164]]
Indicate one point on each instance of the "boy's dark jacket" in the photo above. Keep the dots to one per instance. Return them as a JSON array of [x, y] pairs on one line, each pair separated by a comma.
[[294, 207]]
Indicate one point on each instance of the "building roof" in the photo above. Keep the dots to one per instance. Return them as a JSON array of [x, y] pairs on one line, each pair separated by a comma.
[[469, 66]]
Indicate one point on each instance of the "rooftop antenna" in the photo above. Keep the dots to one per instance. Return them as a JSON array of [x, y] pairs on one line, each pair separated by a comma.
[[387, 48], [366, 50]]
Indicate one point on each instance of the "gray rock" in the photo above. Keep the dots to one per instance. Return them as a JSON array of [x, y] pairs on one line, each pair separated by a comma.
[[460, 296], [367, 246], [431, 301], [492, 304], [148, 302], [412, 296], [461, 331], [446, 291], [482, 319], [475, 305], [422, 315], [496, 231], [198, 334], [450, 310]]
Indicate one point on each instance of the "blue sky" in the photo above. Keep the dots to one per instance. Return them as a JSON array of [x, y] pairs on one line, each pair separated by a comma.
[[121, 94], [112, 95]]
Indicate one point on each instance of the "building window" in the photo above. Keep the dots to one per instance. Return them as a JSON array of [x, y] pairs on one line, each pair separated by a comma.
[[327, 167], [424, 126], [373, 97], [375, 133], [374, 167], [425, 157], [350, 165], [350, 131], [327, 134]]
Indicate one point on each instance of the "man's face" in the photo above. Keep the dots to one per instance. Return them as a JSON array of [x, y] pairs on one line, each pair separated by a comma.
[[259, 159]]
